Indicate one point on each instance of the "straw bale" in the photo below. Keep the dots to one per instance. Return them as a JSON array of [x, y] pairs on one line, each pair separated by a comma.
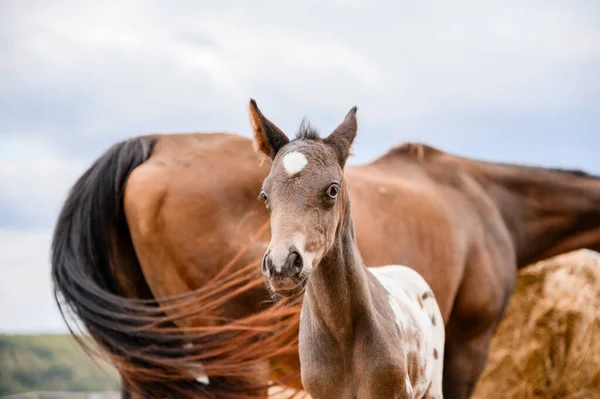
[[548, 343]]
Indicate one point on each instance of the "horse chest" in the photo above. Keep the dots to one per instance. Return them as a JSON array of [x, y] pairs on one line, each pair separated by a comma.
[[372, 366], [369, 371]]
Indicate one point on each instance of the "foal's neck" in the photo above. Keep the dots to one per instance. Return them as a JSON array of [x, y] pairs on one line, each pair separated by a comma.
[[338, 288]]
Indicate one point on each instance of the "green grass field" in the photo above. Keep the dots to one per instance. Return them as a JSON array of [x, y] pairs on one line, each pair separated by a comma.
[[50, 363]]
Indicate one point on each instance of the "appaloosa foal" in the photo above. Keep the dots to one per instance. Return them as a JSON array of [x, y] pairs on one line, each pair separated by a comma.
[[374, 333]]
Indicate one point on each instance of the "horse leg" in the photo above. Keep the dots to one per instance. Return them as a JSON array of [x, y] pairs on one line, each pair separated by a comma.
[[480, 304], [464, 360]]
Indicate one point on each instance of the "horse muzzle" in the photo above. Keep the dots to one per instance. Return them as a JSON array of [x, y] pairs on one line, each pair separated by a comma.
[[284, 272]]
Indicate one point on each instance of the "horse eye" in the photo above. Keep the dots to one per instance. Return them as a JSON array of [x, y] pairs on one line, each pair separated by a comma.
[[332, 191], [263, 196]]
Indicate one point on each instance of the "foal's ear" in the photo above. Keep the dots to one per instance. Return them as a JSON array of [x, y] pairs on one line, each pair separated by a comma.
[[342, 137], [268, 138]]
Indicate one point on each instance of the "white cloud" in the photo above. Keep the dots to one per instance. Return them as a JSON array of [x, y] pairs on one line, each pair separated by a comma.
[[400, 60], [34, 180], [25, 289], [74, 72]]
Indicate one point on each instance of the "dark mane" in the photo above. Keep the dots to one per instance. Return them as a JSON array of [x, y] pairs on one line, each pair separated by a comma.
[[307, 132], [568, 172], [572, 172], [422, 151], [418, 150]]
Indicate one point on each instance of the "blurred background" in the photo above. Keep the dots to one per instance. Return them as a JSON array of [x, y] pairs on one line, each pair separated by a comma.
[[513, 81]]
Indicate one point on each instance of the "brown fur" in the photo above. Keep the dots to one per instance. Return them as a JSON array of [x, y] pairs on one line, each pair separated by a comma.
[[349, 343], [191, 208]]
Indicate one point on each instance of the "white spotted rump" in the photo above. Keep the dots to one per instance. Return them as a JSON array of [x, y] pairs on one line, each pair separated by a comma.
[[417, 314], [294, 162]]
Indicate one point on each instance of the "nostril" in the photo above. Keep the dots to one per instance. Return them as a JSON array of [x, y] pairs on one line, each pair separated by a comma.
[[264, 268], [296, 260]]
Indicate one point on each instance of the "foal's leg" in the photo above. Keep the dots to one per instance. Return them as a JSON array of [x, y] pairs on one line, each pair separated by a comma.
[[480, 305]]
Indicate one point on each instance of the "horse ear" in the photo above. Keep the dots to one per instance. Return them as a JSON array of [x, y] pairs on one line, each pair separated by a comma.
[[343, 136], [268, 138]]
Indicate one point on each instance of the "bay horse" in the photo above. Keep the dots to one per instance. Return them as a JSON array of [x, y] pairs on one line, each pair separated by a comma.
[[364, 333], [157, 248]]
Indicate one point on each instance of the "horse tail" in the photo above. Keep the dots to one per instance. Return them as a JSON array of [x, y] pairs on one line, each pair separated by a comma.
[[92, 246], [91, 243]]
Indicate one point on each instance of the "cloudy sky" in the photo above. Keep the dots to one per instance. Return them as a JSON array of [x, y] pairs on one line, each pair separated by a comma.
[[516, 82]]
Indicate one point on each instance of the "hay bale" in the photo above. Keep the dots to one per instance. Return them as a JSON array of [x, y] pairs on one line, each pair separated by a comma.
[[548, 344]]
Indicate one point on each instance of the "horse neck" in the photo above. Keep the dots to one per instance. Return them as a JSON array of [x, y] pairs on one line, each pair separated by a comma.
[[547, 212], [338, 287]]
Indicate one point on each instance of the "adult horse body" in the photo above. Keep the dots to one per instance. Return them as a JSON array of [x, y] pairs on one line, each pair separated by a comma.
[[176, 215]]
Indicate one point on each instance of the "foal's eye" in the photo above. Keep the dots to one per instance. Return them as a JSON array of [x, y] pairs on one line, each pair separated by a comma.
[[333, 191], [263, 196]]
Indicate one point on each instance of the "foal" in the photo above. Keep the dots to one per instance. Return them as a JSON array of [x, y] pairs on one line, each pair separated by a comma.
[[364, 333]]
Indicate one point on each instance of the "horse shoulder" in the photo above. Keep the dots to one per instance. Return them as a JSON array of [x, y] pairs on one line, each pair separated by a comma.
[[392, 203]]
